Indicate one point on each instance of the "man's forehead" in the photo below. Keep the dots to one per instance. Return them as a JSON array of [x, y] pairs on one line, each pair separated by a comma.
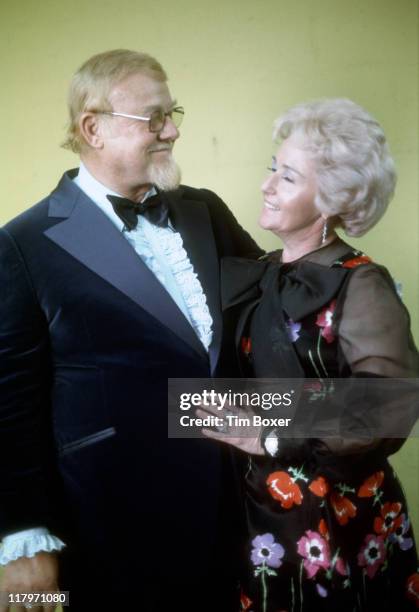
[[142, 90]]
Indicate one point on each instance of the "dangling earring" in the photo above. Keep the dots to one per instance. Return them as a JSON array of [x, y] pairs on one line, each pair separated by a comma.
[[324, 233]]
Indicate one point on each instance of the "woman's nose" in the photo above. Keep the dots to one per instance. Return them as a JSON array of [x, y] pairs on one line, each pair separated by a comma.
[[268, 185]]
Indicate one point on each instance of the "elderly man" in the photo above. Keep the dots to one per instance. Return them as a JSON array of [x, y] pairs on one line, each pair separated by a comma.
[[109, 286]]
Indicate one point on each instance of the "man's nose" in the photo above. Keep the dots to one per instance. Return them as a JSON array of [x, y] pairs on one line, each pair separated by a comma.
[[169, 131]]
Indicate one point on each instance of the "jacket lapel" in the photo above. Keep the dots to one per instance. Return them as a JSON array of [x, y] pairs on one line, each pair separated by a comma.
[[191, 219], [88, 236]]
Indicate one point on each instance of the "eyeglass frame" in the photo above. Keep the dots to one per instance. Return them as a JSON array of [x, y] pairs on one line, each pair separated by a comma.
[[178, 109]]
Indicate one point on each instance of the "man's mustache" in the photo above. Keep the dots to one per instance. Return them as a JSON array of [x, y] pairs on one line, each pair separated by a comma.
[[162, 148]]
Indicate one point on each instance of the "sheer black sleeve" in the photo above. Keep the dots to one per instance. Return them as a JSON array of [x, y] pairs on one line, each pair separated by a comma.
[[375, 404], [373, 326], [375, 342]]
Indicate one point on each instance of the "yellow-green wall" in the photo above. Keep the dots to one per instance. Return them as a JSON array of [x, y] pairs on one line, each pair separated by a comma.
[[234, 65]]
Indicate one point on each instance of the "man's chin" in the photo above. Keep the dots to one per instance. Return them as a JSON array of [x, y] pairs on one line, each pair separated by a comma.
[[165, 175]]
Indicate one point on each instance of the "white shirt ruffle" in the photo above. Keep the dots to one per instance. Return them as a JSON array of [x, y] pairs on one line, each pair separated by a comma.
[[161, 249], [171, 246], [27, 543]]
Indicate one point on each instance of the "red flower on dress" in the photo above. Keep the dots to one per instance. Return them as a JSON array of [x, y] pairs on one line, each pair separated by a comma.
[[245, 602], [357, 261], [315, 551], [319, 487], [313, 385], [412, 588], [246, 346], [343, 507], [323, 530], [389, 520], [282, 487], [371, 485], [325, 320], [372, 554]]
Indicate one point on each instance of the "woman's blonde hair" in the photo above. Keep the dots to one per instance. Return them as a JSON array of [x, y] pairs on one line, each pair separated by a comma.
[[355, 171]]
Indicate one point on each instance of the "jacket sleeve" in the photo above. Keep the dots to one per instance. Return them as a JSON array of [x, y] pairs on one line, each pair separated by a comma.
[[230, 237], [26, 451]]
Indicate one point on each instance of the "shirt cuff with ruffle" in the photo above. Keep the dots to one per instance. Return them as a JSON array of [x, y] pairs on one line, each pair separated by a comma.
[[27, 543]]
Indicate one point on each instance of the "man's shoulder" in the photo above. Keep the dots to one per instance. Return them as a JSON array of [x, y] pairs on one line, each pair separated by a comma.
[[37, 216], [217, 208], [31, 217], [24, 230], [187, 192]]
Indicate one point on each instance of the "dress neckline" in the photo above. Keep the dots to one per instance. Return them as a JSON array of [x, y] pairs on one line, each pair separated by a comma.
[[323, 255]]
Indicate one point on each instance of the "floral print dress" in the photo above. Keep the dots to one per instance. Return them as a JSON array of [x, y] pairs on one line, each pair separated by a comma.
[[329, 530]]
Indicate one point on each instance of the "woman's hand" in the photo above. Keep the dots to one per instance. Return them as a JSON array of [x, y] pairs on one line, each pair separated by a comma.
[[238, 429]]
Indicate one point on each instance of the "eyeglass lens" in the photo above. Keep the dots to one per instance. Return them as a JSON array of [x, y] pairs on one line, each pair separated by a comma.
[[158, 118]]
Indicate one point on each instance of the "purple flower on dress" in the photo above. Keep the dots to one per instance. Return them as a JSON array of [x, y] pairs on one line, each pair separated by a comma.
[[398, 535], [321, 590], [266, 551], [293, 330]]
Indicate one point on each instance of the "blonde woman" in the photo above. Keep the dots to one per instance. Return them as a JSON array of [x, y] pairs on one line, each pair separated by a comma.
[[327, 519]]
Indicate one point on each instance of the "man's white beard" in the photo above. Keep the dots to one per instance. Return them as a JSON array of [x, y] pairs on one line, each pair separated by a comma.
[[165, 175]]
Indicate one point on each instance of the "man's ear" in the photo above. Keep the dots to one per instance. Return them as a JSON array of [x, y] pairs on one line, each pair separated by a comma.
[[89, 126]]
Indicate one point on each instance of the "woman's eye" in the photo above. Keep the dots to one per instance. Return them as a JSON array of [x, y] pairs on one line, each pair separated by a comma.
[[287, 178], [271, 169]]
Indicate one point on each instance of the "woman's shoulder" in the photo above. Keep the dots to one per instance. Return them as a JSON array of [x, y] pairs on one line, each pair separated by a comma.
[[362, 269], [351, 258], [365, 271]]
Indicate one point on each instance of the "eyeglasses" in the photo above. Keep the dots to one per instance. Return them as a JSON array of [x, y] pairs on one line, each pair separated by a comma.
[[157, 119]]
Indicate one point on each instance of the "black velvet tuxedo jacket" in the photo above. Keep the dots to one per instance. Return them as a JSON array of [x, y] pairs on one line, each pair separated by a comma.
[[88, 338]]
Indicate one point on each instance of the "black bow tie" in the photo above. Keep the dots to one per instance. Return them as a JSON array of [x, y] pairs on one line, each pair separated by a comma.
[[155, 209]]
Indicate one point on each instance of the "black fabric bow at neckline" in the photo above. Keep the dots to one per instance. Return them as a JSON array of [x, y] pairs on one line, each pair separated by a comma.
[[304, 288], [155, 209]]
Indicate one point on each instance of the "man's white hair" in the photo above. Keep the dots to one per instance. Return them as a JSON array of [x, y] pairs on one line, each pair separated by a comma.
[[93, 81], [355, 172]]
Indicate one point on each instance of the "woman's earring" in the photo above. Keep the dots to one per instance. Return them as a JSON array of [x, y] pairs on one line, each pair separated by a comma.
[[324, 233]]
